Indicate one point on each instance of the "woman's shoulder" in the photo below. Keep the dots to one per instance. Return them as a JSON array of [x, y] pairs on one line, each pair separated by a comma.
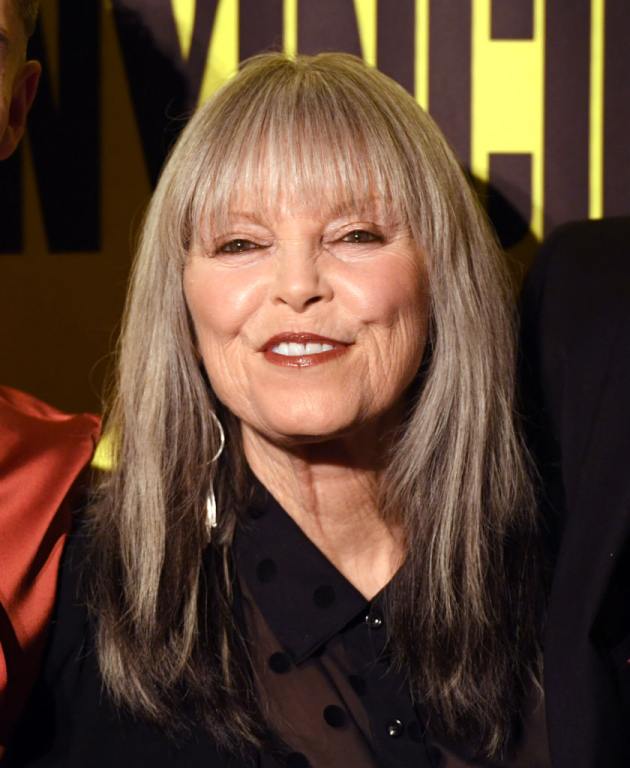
[[43, 453]]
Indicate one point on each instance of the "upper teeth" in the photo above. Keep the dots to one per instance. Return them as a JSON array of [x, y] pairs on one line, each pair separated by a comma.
[[297, 350]]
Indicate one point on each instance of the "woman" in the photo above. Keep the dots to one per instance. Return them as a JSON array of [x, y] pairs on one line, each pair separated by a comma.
[[316, 546]]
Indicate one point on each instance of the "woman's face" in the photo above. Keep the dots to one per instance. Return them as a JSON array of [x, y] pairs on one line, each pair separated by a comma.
[[310, 323]]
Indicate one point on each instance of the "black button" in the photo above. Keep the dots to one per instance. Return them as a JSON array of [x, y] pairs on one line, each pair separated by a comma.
[[324, 596], [395, 728], [334, 716], [279, 662], [358, 683], [297, 760], [374, 619], [266, 571]]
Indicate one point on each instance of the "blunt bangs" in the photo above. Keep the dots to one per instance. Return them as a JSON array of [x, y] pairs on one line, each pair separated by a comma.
[[294, 133]]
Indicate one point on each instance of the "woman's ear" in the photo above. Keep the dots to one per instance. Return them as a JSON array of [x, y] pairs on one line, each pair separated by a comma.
[[23, 94]]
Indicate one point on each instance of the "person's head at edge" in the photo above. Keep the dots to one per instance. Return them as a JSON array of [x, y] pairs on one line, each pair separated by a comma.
[[18, 77], [274, 161]]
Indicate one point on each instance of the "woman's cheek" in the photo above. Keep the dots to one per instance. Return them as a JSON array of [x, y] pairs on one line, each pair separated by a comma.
[[390, 292], [220, 301]]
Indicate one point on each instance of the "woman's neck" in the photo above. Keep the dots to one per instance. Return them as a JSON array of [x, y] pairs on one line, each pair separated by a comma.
[[331, 491]]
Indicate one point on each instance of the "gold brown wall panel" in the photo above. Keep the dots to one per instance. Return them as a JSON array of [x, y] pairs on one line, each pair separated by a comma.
[[534, 97]]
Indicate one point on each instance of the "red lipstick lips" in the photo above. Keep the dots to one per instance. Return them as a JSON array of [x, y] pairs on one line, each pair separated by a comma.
[[302, 350]]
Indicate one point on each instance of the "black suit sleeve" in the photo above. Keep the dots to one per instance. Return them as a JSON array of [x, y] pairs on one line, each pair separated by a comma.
[[575, 378]]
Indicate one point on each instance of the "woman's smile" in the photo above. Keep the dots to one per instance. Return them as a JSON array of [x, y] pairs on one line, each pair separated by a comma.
[[302, 349]]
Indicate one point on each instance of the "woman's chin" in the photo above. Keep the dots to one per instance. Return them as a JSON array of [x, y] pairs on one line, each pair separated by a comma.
[[307, 434], [288, 431]]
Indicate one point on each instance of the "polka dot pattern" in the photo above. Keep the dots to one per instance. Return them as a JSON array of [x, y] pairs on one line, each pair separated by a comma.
[[335, 716], [279, 662], [324, 596], [320, 655]]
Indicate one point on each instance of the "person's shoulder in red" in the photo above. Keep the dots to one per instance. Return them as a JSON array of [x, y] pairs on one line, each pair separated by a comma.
[[42, 453]]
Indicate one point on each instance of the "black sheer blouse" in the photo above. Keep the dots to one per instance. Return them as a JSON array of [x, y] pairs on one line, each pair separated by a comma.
[[321, 667], [321, 661], [319, 650]]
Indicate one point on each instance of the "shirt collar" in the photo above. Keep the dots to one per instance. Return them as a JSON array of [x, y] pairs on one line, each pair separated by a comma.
[[303, 597]]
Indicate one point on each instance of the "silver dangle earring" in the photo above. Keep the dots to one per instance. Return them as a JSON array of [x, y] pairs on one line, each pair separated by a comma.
[[211, 504]]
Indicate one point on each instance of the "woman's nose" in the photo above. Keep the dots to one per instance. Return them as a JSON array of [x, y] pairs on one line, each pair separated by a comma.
[[300, 278]]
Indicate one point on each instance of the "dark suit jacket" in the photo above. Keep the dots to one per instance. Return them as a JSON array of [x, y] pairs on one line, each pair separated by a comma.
[[576, 368]]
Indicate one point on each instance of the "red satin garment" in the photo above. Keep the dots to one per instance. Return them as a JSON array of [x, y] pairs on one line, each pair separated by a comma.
[[42, 452]]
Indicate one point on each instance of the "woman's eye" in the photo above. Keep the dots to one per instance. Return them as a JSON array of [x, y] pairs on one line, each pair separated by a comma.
[[237, 246], [361, 236]]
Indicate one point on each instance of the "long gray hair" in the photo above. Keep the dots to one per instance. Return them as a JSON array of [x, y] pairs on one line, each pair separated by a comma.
[[464, 607]]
